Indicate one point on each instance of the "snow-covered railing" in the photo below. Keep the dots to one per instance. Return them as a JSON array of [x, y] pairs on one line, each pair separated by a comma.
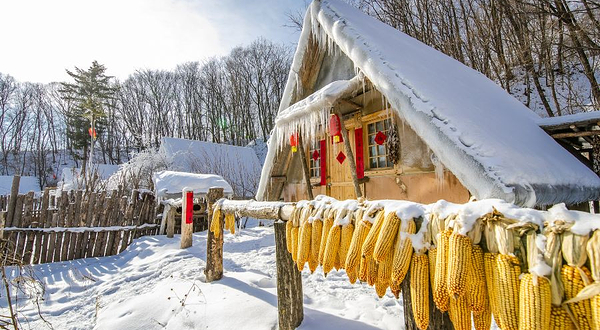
[[551, 257]]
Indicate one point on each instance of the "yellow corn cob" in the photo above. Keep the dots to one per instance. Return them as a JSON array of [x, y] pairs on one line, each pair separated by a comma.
[[595, 304], [384, 275], [440, 289], [304, 245], [573, 283], [215, 223], [363, 269], [327, 224], [432, 253], [459, 258], [460, 315], [373, 271], [402, 252], [387, 235], [295, 243], [395, 287], [560, 320], [315, 245], [395, 292], [337, 263], [331, 248], [477, 294], [491, 275], [483, 319], [507, 290], [298, 242], [347, 233], [371, 239], [288, 235], [230, 222], [419, 289], [354, 251], [534, 303]]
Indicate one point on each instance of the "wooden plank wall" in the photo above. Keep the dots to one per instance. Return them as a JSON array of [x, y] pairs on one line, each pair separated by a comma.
[[76, 225]]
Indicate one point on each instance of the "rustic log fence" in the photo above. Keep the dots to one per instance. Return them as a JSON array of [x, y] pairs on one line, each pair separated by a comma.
[[76, 224]]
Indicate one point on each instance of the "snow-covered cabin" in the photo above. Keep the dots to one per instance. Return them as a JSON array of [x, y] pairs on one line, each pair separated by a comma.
[[237, 165], [422, 125]]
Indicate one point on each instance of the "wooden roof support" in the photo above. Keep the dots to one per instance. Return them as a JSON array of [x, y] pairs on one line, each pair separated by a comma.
[[575, 134], [305, 168], [351, 159]]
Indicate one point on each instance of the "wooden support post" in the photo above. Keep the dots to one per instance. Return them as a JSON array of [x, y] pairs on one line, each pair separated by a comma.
[[289, 283], [12, 203], [305, 167], [171, 221], [350, 155], [187, 229], [214, 245]]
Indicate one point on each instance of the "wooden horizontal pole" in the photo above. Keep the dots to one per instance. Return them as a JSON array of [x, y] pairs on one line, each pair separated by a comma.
[[258, 210], [575, 134]]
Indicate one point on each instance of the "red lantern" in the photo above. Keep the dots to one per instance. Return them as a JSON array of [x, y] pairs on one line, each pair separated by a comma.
[[335, 128], [294, 142], [92, 133]]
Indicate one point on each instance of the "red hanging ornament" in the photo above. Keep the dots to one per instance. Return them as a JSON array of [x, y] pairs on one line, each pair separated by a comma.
[[294, 142], [315, 155], [335, 128], [341, 157], [380, 138], [92, 133]]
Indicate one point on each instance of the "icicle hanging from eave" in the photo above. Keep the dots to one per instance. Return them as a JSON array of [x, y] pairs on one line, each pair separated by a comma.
[[310, 116]]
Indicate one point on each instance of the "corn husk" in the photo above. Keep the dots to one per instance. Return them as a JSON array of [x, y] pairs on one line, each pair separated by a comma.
[[574, 253], [553, 257], [593, 251]]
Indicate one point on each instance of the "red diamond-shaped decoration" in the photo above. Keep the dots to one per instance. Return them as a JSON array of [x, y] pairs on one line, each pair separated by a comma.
[[315, 155], [341, 157], [380, 138]]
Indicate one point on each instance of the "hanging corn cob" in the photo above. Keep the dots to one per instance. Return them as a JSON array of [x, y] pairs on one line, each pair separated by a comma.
[[403, 250], [440, 289], [315, 242], [346, 240], [507, 279], [371, 239], [477, 295], [384, 275], [593, 250], [459, 312], [459, 258], [419, 289], [327, 224], [387, 236], [575, 276], [354, 251], [332, 246], [560, 320], [215, 223]]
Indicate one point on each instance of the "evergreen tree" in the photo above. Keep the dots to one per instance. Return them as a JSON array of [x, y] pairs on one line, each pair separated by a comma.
[[90, 95]]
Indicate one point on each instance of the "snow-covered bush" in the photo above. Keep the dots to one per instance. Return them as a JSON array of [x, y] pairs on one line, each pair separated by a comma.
[[137, 173]]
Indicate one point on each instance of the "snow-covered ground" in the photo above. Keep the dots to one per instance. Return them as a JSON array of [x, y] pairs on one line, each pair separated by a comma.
[[154, 284]]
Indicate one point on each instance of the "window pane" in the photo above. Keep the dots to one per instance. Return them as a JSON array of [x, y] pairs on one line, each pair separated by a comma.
[[382, 162], [379, 126], [381, 149], [373, 163], [371, 128], [373, 151], [371, 139]]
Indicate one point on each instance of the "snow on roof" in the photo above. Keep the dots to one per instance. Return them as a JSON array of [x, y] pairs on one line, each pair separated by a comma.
[[238, 165], [593, 116], [27, 184], [174, 183], [487, 138]]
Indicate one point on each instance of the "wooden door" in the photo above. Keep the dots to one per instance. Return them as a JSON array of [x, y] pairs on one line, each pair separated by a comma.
[[340, 177]]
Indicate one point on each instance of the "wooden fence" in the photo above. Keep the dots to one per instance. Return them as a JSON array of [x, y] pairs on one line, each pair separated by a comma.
[[75, 224]]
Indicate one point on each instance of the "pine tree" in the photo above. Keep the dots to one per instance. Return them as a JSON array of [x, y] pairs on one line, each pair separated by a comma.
[[90, 94]]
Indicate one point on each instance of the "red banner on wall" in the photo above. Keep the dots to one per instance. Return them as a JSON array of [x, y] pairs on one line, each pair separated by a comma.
[[323, 152], [189, 207], [360, 162]]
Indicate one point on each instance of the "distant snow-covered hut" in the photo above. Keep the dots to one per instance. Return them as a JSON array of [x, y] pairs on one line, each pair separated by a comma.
[[421, 125]]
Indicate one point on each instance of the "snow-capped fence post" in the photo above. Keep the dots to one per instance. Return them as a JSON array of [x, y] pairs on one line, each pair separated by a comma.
[[214, 245], [289, 283], [187, 225]]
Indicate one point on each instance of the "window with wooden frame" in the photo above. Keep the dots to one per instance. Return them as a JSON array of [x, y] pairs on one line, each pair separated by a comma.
[[377, 131], [314, 156]]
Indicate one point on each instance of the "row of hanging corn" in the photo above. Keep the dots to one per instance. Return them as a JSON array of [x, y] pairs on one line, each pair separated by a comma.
[[527, 277]]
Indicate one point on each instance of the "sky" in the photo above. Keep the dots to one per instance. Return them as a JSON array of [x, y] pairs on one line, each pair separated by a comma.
[[39, 39]]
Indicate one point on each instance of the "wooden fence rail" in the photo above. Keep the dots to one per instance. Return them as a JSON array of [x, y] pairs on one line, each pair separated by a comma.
[[78, 225]]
